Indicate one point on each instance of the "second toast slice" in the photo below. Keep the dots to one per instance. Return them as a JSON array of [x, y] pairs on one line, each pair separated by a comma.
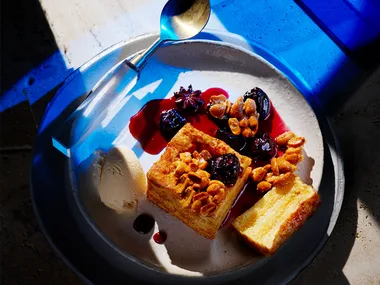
[[276, 216]]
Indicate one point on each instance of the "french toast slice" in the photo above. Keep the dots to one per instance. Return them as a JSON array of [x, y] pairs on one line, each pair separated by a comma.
[[277, 215], [176, 194]]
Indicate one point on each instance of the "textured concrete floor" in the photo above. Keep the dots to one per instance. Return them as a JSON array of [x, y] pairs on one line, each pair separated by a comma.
[[350, 256]]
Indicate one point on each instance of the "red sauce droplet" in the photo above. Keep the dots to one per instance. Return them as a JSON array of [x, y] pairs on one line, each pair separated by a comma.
[[143, 224], [144, 126], [160, 237]]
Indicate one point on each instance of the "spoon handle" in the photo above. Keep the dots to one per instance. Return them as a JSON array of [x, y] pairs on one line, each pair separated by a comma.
[[139, 60], [102, 101], [100, 104]]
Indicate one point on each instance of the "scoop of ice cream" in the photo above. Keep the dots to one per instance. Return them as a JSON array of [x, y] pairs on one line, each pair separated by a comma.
[[122, 180]]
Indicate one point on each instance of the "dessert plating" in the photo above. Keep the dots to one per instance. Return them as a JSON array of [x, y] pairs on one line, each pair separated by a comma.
[[180, 184], [200, 174]]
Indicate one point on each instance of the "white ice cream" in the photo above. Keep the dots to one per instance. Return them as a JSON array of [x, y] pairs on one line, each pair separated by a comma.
[[122, 181]]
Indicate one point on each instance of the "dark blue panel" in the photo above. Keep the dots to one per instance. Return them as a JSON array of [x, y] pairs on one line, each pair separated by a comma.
[[353, 24]]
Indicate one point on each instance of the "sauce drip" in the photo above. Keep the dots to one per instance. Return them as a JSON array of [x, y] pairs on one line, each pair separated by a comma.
[[144, 126], [160, 237], [274, 126], [143, 224]]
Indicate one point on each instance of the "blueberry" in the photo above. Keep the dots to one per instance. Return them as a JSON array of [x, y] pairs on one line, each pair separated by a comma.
[[262, 102], [236, 142], [225, 168], [171, 122], [262, 147]]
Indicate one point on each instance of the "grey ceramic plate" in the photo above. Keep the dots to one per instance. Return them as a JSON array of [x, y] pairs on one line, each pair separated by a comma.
[[102, 247]]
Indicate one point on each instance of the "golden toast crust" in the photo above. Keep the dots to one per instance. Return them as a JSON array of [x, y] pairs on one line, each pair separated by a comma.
[[163, 184], [253, 222]]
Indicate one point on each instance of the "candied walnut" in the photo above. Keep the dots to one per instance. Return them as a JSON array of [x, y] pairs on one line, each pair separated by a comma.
[[216, 182], [270, 177], [183, 178], [214, 189], [193, 166], [253, 124], [293, 158], [183, 183], [264, 186], [185, 157], [202, 164], [247, 132], [196, 206], [208, 209], [181, 168], [218, 110], [228, 107], [291, 150], [196, 155], [196, 187], [237, 110], [216, 99], [249, 107], [194, 177], [284, 179], [296, 142], [218, 198], [220, 106], [206, 155], [274, 166], [258, 174], [285, 166], [267, 167], [283, 139], [189, 194], [201, 196], [234, 126], [205, 176], [243, 122]]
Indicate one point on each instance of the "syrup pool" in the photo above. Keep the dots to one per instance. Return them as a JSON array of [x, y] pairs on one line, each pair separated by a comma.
[[145, 128], [160, 237]]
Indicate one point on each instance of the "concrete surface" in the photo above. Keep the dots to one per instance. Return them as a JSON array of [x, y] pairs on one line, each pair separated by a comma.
[[55, 37]]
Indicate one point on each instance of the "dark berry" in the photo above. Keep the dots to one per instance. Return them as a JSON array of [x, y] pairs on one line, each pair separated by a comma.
[[262, 147], [236, 142], [171, 122], [188, 100], [220, 122], [225, 168], [262, 102]]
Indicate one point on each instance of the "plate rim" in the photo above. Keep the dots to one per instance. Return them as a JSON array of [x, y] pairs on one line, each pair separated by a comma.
[[231, 42]]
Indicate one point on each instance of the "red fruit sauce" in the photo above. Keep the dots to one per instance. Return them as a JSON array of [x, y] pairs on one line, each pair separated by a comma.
[[144, 126], [160, 237]]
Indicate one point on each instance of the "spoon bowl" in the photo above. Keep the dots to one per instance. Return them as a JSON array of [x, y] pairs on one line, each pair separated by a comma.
[[184, 19]]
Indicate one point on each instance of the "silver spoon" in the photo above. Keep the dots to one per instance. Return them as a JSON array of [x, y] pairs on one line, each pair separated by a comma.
[[180, 20]]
